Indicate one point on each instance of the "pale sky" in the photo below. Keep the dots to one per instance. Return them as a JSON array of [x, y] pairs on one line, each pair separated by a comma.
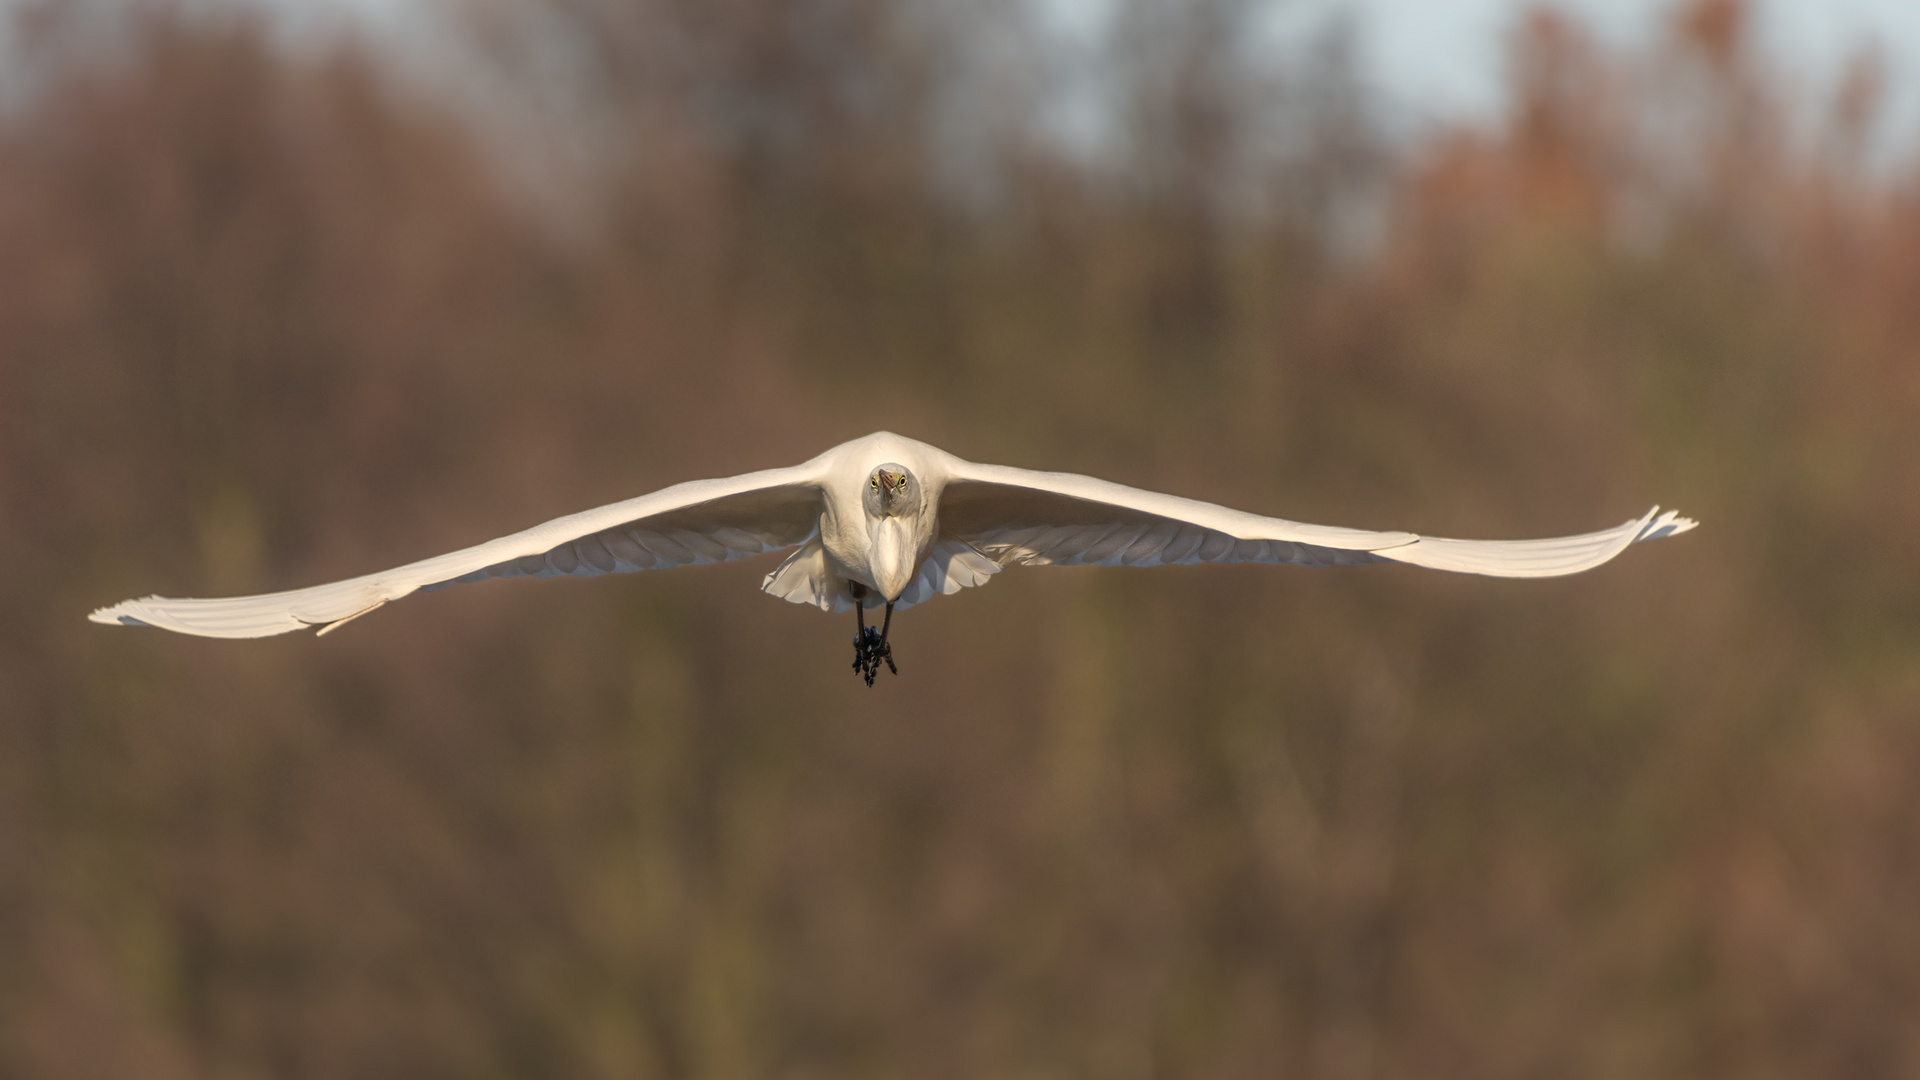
[[1437, 60], [1443, 58]]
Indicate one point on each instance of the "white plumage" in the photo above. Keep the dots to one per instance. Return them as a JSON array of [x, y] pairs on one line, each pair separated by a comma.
[[950, 525]]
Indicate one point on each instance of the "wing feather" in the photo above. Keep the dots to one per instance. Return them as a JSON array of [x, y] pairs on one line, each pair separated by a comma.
[[688, 524], [1538, 558], [1018, 516], [950, 566]]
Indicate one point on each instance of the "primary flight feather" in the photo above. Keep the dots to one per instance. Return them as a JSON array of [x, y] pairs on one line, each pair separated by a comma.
[[887, 521]]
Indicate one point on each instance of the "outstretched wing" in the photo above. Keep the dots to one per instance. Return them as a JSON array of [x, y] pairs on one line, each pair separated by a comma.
[[1018, 516], [702, 521]]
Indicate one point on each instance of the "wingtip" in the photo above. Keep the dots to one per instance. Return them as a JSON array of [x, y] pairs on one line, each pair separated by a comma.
[[115, 615], [1657, 525]]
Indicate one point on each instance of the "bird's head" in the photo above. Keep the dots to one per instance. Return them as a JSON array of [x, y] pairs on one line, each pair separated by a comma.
[[891, 491]]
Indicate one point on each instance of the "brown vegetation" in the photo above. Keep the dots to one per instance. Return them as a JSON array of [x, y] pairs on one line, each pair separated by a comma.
[[265, 321]]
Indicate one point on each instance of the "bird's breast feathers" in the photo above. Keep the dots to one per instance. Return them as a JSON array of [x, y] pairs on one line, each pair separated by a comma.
[[894, 554]]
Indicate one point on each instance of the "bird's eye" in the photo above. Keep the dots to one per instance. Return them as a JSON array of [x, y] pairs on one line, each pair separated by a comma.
[[874, 483], [903, 481]]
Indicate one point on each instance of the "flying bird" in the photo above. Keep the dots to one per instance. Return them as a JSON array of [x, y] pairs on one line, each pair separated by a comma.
[[886, 522]]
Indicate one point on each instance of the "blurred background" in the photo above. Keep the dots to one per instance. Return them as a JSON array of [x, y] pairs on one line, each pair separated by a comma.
[[292, 292]]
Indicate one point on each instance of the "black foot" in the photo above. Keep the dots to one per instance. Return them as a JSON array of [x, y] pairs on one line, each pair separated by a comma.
[[870, 647], [868, 650]]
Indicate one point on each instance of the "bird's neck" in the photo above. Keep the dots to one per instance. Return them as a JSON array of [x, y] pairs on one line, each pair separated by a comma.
[[894, 554]]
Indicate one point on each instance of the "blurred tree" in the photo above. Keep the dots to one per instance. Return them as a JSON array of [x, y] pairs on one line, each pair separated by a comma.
[[266, 319]]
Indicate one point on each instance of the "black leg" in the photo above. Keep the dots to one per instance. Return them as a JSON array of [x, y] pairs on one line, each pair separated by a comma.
[[869, 643], [862, 649], [859, 637], [866, 638], [884, 651]]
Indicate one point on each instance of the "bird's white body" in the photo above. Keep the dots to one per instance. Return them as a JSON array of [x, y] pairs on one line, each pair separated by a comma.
[[884, 553], [950, 524]]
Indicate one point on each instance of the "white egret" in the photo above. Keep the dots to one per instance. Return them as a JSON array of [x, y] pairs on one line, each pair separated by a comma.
[[887, 521]]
